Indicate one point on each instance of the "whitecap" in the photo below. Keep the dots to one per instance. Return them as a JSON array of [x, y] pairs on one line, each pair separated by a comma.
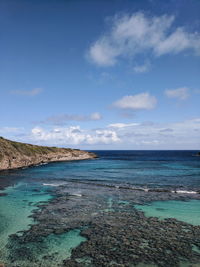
[[184, 192], [45, 184], [145, 189]]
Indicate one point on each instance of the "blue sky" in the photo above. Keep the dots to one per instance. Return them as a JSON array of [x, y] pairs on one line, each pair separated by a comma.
[[118, 74]]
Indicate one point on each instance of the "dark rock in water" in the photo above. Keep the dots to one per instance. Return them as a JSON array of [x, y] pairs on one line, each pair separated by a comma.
[[159, 190], [72, 263], [36, 190], [116, 235], [2, 195], [21, 253]]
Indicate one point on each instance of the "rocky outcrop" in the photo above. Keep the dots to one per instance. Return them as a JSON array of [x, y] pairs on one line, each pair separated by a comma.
[[15, 155]]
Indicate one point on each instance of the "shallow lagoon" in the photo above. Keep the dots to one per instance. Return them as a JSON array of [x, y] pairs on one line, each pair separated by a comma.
[[186, 211], [171, 170], [16, 208]]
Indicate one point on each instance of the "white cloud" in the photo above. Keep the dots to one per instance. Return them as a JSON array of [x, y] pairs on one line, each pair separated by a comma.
[[95, 116], [104, 136], [122, 125], [179, 41], [73, 135], [37, 131], [179, 93], [136, 102], [33, 92], [103, 53], [130, 35], [142, 68]]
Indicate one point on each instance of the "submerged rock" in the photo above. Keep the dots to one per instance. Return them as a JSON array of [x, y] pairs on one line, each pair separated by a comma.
[[3, 195], [116, 234]]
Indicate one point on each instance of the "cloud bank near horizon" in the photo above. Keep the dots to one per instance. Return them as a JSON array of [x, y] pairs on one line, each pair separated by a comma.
[[143, 135]]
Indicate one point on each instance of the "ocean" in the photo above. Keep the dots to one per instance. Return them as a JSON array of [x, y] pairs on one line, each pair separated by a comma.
[[157, 184]]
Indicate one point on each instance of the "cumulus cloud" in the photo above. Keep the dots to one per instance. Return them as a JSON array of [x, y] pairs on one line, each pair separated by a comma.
[[136, 102], [64, 118], [130, 35], [179, 93], [73, 135], [33, 92]]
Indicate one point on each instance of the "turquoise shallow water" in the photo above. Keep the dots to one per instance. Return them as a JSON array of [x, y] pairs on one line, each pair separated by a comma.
[[187, 211], [15, 209]]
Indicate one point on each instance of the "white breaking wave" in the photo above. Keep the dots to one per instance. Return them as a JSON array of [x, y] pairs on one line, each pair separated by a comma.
[[145, 189], [58, 184], [184, 192], [44, 163]]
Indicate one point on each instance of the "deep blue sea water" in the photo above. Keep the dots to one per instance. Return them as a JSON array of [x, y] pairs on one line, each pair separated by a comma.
[[174, 170]]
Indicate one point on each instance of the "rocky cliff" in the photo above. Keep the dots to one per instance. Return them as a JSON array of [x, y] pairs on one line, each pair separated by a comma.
[[17, 155]]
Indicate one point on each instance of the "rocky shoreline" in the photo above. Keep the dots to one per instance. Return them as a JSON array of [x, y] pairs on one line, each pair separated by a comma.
[[117, 233], [15, 155]]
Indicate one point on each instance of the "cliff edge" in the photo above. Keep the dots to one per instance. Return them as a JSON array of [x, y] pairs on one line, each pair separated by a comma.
[[15, 155]]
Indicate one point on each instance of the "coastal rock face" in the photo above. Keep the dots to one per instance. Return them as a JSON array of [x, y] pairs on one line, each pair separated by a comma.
[[17, 155]]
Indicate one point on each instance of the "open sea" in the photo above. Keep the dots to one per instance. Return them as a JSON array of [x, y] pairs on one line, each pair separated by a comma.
[[24, 189]]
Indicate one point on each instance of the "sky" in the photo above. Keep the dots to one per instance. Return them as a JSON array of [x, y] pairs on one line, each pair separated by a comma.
[[97, 74]]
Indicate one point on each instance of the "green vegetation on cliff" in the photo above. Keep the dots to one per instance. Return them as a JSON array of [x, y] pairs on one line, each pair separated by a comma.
[[15, 154], [8, 147]]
